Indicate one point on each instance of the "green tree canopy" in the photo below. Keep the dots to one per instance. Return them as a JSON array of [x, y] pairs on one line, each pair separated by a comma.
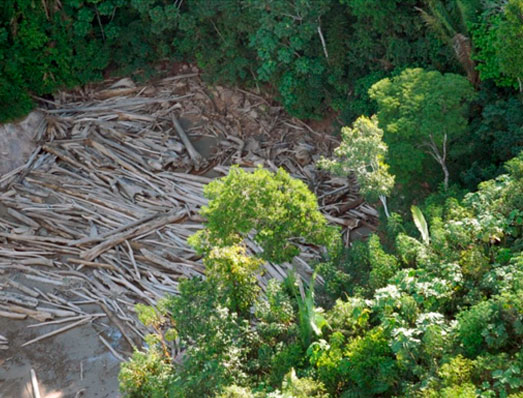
[[421, 113], [279, 210]]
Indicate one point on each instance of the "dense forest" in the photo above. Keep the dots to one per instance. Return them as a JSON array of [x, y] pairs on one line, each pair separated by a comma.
[[430, 94]]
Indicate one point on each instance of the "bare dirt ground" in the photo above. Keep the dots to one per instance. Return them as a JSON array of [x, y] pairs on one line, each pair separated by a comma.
[[103, 158], [71, 364]]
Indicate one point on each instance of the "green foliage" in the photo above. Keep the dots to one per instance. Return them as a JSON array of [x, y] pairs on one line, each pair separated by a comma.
[[314, 54], [216, 35], [146, 375], [346, 274], [434, 319], [279, 208], [218, 341], [49, 45], [388, 35], [450, 21], [371, 365], [421, 223], [510, 51], [421, 113], [383, 265], [492, 325], [363, 152], [234, 275], [235, 391], [496, 136], [498, 39], [310, 318], [292, 387]]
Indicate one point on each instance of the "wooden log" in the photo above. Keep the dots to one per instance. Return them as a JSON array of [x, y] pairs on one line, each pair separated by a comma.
[[45, 280], [57, 331], [191, 150], [19, 216], [111, 349], [92, 264], [22, 288], [12, 315], [103, 236], [152, 225], [57, 312], [118, 324], [34, 383], [37, 314], [19, 299]]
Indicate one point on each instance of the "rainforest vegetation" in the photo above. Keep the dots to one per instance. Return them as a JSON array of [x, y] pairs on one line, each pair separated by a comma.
[[430, 96]]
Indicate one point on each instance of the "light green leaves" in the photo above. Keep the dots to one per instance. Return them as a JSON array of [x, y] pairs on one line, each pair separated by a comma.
[[363, 152], [421, 223], [233, 273]]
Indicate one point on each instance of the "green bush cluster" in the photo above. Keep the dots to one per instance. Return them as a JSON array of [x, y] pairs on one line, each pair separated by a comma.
[[439, 316]]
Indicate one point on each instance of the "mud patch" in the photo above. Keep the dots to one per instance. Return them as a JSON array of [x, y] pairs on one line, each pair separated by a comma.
[[72, 362]]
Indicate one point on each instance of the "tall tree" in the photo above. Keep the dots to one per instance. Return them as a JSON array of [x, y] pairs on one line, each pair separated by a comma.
[[363, 152], [421, 113]]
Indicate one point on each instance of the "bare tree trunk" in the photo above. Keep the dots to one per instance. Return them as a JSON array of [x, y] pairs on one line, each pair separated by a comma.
[[446, 174], [440, 158], [383, 200]]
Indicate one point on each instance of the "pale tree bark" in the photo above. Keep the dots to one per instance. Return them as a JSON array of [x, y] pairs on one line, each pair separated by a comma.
[[383, 200], [322, 39], [440, 157]]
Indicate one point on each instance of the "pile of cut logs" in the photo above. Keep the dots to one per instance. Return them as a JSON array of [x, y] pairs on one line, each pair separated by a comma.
[[101, 212]]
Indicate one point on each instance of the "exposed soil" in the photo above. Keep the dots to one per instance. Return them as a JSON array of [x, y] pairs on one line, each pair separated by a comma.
[[71, 363]]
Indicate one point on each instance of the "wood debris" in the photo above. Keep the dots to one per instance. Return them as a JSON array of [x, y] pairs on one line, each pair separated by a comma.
[[101, 212]]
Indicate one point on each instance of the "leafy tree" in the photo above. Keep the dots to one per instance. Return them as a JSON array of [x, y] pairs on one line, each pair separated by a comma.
[[290, 44], [146, 374], [496, 136], [421, 112], [278, 208], [510, 42], [498, 41], [389, 35], [383, 265], [363, 152], [217, 341], [437, 317]]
